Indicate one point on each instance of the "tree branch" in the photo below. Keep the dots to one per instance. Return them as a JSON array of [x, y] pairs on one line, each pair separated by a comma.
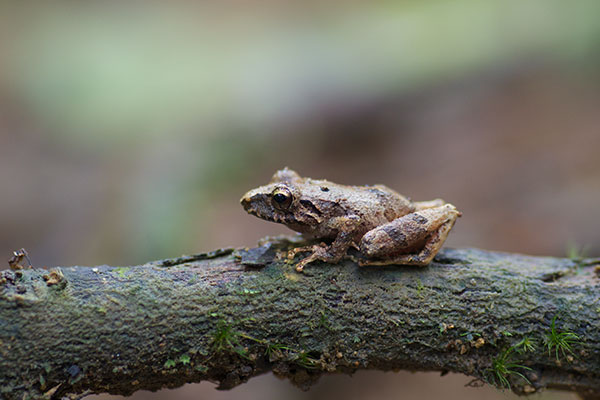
[[505, 319]]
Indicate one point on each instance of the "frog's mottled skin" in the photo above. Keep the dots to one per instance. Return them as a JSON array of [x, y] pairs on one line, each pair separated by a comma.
[[384, 226]]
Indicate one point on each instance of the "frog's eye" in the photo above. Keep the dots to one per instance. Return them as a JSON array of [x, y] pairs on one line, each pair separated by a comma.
[[281, 198]]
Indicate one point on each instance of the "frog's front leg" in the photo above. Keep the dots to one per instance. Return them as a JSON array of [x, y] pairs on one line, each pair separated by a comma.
[[346, 227], [413, 239]]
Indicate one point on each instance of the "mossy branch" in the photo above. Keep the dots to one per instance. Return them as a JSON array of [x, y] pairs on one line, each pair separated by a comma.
[[518, 322]]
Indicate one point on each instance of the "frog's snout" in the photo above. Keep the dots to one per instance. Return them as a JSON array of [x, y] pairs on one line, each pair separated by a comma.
[[253, 203], [245, 202]]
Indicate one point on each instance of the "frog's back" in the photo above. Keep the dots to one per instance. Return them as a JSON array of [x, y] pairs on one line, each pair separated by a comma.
[[392, 204], [375, 204]]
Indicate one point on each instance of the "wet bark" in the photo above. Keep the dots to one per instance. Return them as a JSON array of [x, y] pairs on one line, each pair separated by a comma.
[[230, 315]]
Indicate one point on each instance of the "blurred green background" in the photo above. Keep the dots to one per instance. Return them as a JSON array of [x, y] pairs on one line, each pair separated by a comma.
[[129, 130]]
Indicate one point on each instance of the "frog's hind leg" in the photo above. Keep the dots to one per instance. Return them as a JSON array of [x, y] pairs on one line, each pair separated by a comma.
[[424, 256], [415, 238]]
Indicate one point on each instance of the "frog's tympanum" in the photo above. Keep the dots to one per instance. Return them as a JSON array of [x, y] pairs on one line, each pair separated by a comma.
[[385, 227]]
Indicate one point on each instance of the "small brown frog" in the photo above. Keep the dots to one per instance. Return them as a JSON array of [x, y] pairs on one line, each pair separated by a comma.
[[385, 227]]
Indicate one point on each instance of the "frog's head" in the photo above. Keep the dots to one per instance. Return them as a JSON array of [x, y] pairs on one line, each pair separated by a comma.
[[285, 175], [273, 202], [278, 201]]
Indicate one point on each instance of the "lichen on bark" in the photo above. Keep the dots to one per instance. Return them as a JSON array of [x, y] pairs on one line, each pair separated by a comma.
[[229, 315]]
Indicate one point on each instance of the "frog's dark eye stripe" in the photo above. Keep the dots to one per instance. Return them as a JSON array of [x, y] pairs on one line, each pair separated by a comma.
[[281, 198], [310, 206]]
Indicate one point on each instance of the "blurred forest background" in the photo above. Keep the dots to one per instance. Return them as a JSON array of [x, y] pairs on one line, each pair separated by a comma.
[[129, 131]]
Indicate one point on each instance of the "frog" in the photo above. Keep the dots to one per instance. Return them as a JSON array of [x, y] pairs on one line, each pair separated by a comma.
[[385, 227]]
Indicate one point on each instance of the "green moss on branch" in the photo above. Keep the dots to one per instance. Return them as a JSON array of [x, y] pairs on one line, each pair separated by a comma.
[[229, 315]]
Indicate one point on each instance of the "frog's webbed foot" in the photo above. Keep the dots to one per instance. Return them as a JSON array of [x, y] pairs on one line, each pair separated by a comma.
[[292, 253], [414, 239], [315, 249], [320, 252]]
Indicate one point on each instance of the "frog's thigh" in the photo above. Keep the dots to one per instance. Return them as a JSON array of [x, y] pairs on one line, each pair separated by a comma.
[[421, 258], [412, 239]]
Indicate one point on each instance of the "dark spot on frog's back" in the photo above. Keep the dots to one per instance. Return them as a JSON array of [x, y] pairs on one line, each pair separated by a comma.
[[419, 219], [390, 214], [395, 234]]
